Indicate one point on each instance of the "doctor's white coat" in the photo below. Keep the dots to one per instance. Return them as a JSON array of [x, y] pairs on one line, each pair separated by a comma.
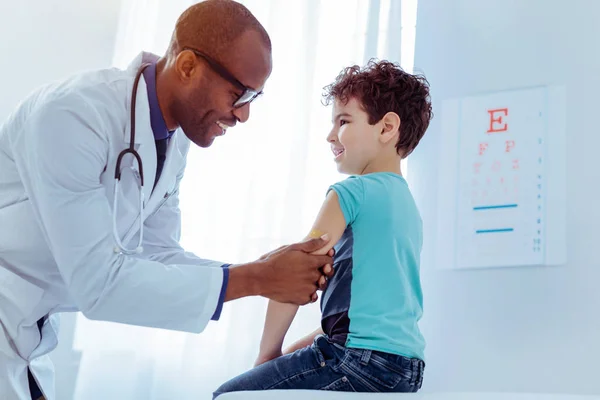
[[57, 160]]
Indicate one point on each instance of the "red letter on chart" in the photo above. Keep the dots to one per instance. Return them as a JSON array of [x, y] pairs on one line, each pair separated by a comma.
[[510, 144], [496, 124], [482, 148]]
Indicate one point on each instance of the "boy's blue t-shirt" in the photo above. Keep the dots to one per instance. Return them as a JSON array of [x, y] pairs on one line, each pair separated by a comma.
[[374, 300]]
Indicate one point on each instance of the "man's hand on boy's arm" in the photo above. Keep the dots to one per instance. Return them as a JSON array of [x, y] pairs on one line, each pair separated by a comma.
[[290, 274], [327, 268], [329, 221]]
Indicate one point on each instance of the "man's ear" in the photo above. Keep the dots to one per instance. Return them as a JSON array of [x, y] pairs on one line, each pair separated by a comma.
[[390, 127], [187, 65]]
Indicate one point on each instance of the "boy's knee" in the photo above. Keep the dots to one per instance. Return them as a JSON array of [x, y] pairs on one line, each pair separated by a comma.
[[216, 394], [220, 391], [227, 387]]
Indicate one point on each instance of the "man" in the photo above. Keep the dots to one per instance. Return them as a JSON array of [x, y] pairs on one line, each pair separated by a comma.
[[69, 233]]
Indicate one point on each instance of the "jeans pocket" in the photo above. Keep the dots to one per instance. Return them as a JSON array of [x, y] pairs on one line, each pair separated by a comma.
[[378, 373], [327, 353], [340, 385]]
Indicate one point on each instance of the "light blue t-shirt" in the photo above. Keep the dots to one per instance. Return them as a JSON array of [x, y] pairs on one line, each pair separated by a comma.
[[374, 300]]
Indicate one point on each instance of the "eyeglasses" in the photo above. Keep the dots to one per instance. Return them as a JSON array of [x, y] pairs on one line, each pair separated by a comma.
[[248, 95]]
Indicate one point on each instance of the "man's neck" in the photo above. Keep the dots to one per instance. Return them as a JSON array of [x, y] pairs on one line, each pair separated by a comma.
[[163, 93]]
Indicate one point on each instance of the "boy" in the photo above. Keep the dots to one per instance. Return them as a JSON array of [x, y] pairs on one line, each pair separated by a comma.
[[369, 340]]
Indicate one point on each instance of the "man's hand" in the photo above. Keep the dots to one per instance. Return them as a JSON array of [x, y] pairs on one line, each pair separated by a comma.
[[327, 269], [292, 275], [289, 274], [264, 257]]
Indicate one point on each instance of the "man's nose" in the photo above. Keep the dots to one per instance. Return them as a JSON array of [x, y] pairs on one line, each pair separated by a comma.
[[243, 113]]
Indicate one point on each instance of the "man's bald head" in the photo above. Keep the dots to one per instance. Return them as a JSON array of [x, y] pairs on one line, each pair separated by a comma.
[[219, 53], [212, 26]]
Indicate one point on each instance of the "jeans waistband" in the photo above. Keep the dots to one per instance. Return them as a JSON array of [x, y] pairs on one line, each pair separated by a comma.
[[365, 354], [395, 362]]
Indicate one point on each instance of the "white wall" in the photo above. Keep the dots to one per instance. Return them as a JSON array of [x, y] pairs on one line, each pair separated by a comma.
[[41, 41], [520, 329], [44, 40]]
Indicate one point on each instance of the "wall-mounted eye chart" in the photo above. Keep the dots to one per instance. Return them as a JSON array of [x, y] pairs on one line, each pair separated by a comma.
[[501, 199]]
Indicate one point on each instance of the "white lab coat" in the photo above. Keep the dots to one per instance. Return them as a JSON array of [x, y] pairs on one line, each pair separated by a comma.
[[57, 160]]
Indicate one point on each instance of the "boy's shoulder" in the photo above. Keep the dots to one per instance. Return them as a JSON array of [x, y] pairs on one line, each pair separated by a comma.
[[353, 180], [382, 179], [353, 186], [371, 188]]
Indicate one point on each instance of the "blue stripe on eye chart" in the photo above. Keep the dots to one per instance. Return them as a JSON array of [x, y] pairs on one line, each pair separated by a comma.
[[494, 230], [479, 208]]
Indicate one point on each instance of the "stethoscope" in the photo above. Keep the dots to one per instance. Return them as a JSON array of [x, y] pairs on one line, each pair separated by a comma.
[[138, 173]]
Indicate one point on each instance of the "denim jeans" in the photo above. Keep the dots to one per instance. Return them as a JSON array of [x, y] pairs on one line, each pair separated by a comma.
[[328, 366]]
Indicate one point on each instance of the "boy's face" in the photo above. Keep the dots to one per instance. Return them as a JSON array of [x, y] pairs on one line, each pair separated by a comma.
[[354, 142]]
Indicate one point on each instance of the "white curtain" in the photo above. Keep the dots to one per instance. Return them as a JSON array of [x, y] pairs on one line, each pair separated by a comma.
[[258, 187]]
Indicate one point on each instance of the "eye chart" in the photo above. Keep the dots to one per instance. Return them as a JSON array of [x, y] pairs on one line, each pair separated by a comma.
[[501, 199]]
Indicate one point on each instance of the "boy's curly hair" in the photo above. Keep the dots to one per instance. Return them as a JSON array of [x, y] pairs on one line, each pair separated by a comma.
[[381, 87]]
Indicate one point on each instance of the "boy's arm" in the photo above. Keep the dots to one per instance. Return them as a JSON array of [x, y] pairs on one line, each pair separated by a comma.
[[304, 342], [280, 316]]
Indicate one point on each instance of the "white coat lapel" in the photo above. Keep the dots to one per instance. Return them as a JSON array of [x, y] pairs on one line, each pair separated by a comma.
[[166, 183], [128, 213], [145, 145], [144, 138]]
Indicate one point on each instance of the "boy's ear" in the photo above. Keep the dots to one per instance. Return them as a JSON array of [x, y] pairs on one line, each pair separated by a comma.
[[390, 127]]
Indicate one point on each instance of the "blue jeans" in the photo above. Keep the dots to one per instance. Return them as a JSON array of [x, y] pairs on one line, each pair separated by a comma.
[[328, 366]]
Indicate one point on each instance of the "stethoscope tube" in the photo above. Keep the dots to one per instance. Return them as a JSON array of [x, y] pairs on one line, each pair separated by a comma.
[[139, 173]]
